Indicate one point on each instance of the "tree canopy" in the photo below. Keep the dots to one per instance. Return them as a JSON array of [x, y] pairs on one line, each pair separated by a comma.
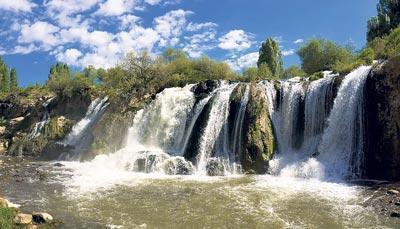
[[270, 54], [387, 19]]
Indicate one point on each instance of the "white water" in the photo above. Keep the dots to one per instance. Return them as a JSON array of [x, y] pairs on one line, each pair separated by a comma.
[[215, 135], [337, 147], [342, 143], [95, 109], [45, 119]]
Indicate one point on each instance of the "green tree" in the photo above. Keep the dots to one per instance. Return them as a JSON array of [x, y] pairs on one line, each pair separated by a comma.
[[387, 19], [293, 71], [4, 77], [320, 54], [13, 79], [271, 55]]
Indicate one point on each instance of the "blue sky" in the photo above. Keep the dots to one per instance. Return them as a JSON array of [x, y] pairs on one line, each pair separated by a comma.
[[35, 34]]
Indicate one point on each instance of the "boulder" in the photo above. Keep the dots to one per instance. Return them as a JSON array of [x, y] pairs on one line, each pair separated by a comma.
[[393, 192], [382, 111], [42, 217], [23, 219], [202, 89], [259, 141], [215, 167]]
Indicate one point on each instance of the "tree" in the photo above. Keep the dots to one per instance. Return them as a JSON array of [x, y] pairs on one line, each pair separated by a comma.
[[293, 71], [270, 54], [387, 19], [13, 79], [320, 54], [4, 77]]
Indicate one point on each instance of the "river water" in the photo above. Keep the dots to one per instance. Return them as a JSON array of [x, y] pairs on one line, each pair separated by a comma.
[[135, 200]]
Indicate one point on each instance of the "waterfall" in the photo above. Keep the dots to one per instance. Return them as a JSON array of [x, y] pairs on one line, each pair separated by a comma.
[[79, 137], [45, 119], [238, 125], [215, 136], [332, 138], [341, 149]]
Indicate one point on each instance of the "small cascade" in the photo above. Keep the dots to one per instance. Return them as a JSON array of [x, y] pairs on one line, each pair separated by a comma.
[[236, 142], [79, 137], [341, 148], [215, 136], [44, 120]]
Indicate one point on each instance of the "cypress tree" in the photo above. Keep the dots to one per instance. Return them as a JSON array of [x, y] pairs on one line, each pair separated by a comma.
[[270, 54]]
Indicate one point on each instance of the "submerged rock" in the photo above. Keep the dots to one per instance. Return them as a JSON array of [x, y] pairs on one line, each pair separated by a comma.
[[215, 167], [42, 217], [178, 166]]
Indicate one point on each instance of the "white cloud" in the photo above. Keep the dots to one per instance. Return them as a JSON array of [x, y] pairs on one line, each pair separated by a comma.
[[193, 27], [166, 2], [17, 5], [127, 21], [70, 56], [288, 52], [298, 41], [170, 26], [244, 61], [237, 40], [199, 43], [39, 32], [115, 7]]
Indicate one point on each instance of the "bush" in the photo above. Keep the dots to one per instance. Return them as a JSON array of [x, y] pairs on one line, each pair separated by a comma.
[[293, 71]]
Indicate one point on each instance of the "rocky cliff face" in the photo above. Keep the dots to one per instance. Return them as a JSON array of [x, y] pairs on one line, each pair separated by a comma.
[[382, 153]]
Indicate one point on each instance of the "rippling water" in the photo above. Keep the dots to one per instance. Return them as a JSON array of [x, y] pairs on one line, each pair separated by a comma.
[[130, 200]]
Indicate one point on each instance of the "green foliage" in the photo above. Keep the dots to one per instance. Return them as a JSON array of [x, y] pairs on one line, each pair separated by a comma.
[[293, 71], [13, 80], [62, 83], [4, 77], [316, 76], [387, 19], [270, 54], [261, 73], [6, 218], [319, 55], [367, 55], [387, 46]]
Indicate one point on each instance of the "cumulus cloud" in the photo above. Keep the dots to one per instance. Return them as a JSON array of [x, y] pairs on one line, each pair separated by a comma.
[[171, 25], [17, 5], [70, 56], [288, 52], [244, 61], [39, 32], [115, 7], [199, 43], [237, 40], [298, 41]]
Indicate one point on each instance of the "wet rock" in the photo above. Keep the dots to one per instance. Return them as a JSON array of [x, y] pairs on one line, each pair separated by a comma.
[[395, 214], [178, 166], [393, 192], [382, 151], [214, 167], [58, 165], [53, 150], [259, 140], [42, 217], [397, 204], [202, 89], [23, 219]]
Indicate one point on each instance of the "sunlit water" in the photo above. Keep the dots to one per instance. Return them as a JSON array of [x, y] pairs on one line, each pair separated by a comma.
[[129, 200]]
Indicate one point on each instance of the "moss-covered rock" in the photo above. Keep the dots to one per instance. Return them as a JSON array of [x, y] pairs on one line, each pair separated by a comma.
[[259, 141], [382, 153]]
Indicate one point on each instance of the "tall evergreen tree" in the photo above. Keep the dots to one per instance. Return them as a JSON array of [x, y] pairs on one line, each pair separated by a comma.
[[270, 54], [4, 77], [13, 79]]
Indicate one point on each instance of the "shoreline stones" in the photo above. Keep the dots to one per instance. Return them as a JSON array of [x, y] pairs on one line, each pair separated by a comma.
[[23, 219]]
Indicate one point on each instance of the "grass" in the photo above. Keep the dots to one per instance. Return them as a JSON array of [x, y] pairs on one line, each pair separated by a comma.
[[6, 218]]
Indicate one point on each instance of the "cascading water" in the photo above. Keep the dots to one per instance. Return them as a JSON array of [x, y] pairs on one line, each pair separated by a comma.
[[45, 119], [341, 148], [78, 138], [215, 136], [333, 151]]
